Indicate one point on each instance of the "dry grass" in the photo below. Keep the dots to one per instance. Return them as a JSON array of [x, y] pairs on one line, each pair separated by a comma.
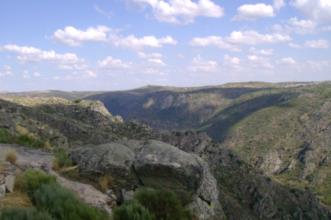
[[105, 182], [11, 157], [14, 200]]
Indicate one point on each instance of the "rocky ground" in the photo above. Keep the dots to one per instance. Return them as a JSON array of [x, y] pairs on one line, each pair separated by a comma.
[[37, 159]]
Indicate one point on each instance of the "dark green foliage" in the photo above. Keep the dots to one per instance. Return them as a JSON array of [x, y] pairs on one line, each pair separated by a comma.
[[63, 205], [29, 141], [31, 180], [164, 205], [131, 211], [62, 159], [5, 136], [24, 214]]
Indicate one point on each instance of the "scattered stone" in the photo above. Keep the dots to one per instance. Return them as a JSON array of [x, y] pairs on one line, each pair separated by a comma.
[[10, 183]]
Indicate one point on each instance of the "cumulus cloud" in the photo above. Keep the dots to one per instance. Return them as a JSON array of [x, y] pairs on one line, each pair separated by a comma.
[[25, 53], [287, 61], [317, 44], [237, 38], [74, 37], [257, 61], [254, 11], [258, 10], [231, 60], [200, 65], [182, 11], [299, 26], [6, 71], [263, 52], [216, 41], [278, 4], [112, 63], [154, 58], [137, 43], [318, 10]]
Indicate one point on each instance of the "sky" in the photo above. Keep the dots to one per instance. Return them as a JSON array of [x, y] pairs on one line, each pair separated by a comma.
[[123, 44]]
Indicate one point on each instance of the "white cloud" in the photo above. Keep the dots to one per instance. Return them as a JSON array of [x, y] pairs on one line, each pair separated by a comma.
[[74, 37], [155, 58], [278, 4], [182, 11], [253, 38], [317, 44], [318, 10], [213, 41], [136, 43], [6, 71], [237, 38], [33, 54], [231, 60], [264, 52], [299, 26], [112, 63], [295, 46], [257, 61], [287, 61], [204, 66], [254, 11]]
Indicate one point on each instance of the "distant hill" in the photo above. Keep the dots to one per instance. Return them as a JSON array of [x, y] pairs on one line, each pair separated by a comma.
[[284, 129]]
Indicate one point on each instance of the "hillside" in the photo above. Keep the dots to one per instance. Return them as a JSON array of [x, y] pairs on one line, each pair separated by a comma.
[[282, 129], [213, 182]]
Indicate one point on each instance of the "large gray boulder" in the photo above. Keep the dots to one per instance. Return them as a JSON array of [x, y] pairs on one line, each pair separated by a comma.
[[161, 165], [113, 160]]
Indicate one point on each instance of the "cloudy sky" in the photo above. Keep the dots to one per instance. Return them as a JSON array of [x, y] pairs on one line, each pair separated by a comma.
[[122, 44]]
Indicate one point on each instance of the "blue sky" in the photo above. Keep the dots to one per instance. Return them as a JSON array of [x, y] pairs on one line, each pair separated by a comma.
[[123, 44]]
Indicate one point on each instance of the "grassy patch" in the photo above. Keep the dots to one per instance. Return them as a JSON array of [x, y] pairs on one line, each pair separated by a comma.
[[132, 210], [15, 199], [27, 140], [53, 200], [160, 204], [5, 136], [24, 214], [11, 157], [61, 160]]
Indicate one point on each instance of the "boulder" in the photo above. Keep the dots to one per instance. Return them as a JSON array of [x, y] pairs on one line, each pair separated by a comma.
[[113, 160], [10, 183], [160, 165]]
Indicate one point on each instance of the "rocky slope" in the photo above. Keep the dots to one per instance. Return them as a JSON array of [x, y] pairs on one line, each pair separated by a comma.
[[282, 129], [208, 176]]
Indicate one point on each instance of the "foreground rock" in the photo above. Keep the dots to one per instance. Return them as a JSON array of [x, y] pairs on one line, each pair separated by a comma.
[[36, 159], [153, 164]]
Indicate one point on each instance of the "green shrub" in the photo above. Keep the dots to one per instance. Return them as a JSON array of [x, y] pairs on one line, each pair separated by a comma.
[[5, 136], [164, 205], [131, 211], [29, 141], [61, 159], [31, 180], [23, 214], [62, 204]]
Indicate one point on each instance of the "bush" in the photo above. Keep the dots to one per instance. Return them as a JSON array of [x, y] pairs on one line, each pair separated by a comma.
[[62, 204], [24, 214], [131, 211], [5, 136], [162, 204], [29, 141], [31, 180], [61, 160], [11, 157]]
